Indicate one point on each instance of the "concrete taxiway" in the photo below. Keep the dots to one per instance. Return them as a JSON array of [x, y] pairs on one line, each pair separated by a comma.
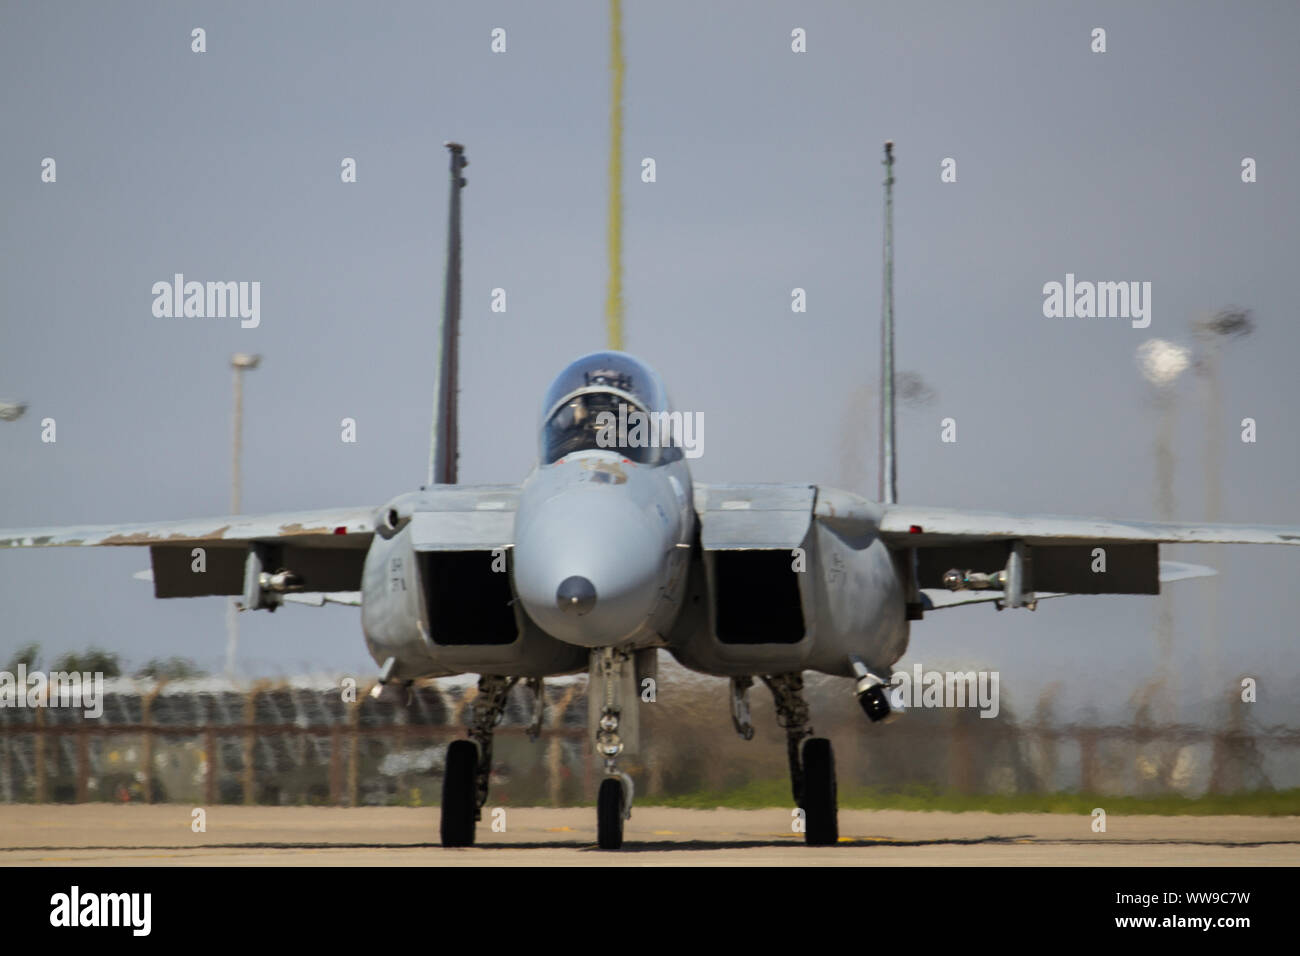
[[105, 834]]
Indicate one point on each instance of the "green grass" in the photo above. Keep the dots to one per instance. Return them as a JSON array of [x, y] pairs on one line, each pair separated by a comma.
[[776, 793]]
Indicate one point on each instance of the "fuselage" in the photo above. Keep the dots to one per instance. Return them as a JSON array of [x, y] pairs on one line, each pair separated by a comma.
[[605, 551]]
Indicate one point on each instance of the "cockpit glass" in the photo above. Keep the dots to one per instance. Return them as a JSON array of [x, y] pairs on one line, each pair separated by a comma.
[[615, 370], [590, 421], [583, 405]]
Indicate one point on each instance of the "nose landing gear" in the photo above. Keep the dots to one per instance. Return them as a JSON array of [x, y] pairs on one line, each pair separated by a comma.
[[613, 689]]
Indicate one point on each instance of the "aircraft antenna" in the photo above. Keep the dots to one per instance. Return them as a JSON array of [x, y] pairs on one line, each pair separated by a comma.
[[444, 450], [888, 462]]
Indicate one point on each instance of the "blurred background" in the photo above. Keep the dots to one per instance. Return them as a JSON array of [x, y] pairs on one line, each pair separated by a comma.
[[204, 740]]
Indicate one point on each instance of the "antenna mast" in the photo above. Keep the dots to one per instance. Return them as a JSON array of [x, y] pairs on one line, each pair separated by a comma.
[[888, 462]]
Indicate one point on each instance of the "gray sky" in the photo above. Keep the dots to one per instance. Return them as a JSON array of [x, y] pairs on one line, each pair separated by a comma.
[[225, 166]]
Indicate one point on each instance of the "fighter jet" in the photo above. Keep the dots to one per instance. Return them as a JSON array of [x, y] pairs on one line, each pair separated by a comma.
[[607, 553]]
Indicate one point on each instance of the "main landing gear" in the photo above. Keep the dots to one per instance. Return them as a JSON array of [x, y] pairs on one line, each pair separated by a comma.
[[469, 763], [812, 761], [615, 730]]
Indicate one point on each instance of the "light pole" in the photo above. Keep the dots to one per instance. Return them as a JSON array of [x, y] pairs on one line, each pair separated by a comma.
[[240, 362], [1161, 364], [1211, 335]]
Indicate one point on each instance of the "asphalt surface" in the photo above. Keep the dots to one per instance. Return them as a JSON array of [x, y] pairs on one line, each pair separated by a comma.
[[106, 834]]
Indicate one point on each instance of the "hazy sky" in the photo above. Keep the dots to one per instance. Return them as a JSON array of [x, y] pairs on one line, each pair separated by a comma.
[[225, 165]]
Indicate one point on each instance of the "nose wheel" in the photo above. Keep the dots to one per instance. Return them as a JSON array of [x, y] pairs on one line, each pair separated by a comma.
[[609, 814], [614, 799], [613, 689]]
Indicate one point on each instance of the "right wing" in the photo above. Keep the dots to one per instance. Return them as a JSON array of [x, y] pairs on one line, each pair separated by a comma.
[[345, 527], [326, 548]]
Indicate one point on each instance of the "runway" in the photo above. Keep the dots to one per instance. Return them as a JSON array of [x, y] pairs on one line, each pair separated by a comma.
[[161, 835]]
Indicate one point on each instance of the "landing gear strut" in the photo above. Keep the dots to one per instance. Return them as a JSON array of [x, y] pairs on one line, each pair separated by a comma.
[[740, 706], [469, 763], [613, 683], [812, 761]]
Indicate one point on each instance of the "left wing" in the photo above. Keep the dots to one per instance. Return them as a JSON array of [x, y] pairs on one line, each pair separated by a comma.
[[1015, 559], [912, 526], [961, 556], [937, 599]]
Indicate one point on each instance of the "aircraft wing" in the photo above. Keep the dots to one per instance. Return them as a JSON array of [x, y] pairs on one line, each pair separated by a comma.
[[323, 551], [937, 599], [1049, 555], [1015, 559], [204, 556], [337, 527], [918, 527]]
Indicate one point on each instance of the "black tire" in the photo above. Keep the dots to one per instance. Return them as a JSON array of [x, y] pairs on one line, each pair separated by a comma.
[[820, 807], [459, 794], [609, 814]]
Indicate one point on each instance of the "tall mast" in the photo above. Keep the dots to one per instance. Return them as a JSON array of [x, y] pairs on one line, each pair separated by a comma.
[[888, 461], [614, 289], [444, 450]]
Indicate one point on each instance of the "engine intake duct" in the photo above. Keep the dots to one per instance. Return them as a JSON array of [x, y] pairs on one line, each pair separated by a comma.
[[469, 597], [757, 597]]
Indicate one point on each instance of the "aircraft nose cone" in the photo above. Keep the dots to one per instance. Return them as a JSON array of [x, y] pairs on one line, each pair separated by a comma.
[[587, 564], [575, 595]]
